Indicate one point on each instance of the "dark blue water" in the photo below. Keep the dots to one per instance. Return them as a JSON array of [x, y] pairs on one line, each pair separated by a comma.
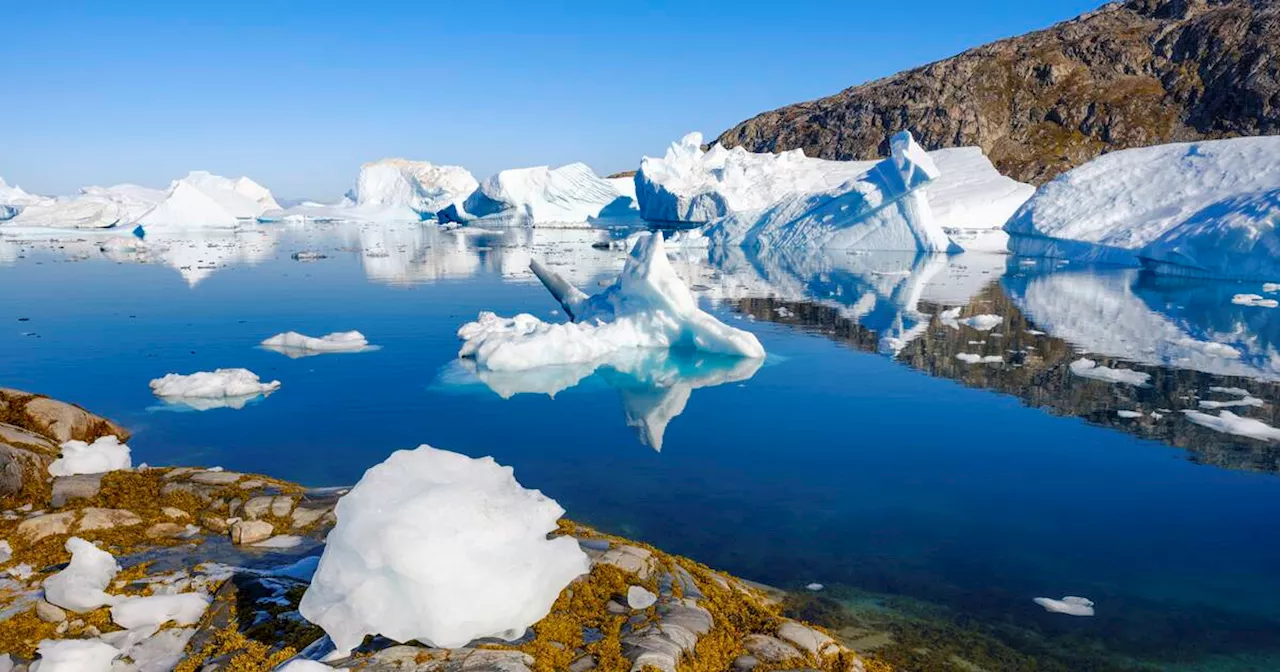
[[831, 463]]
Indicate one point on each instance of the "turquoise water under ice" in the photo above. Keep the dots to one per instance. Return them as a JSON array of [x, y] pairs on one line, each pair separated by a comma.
[[837, 461]]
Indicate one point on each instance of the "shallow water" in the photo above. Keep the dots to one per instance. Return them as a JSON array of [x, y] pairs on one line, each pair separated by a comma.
[[862, 454]]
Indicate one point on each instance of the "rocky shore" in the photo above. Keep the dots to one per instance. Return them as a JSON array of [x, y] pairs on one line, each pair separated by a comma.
[[249, 544]]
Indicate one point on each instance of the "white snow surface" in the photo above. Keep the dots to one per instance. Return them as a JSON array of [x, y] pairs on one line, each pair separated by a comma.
[[648, 306], [970, 358], [1230, 423], [1202, 208], [105, 454], [443, 548], [1087, 368], [291, 343], [570, 195], [1070, 605], [81, 586], [156, 610], [205, 200], [302, 665], [74, 655], [212, 384], [883, 208]]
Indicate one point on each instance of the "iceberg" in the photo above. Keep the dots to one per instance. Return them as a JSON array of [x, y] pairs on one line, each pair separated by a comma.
[[419, 186], [442, 548], [81, 586], [93, 208], [13, 199], [648, 306], [295, 345], [103, 455], [1171, 204], [971, 200], [204, 200], [570, 195], [884, 208], [204, 390]]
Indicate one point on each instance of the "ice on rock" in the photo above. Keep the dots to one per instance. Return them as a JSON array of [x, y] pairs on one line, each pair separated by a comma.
[[105, 454], [81, 586], [648, 306], [295, 345], [1204, 208], [442, 548], [74, 655], [156, 610], [1087, 368], [1070, 605], [301, 665], [212, 389], [640, 598], [1227, 422], [570, 195], [204, 200], [884, 208]]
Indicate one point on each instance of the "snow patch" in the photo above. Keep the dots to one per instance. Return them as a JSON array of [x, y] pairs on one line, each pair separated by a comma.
[[154, 611], [104, 454], [81, 586], [74, 655]]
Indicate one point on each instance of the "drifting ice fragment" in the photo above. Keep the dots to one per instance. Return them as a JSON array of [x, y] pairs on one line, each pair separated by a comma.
[[1087, 368], [1070, 605], [1230, 423], [295, 345], [212, 389]]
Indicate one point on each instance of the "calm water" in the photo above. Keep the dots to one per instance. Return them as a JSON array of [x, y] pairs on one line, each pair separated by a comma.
[[862, 454]]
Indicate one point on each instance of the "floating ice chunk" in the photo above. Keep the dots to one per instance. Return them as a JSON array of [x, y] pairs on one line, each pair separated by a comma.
[[970, 358], [212, 389], [1070, 605], [74, 655], [156, 610], [442, 548], [418, 186], [1270, 287], [647, 307], [81, 586], [103, 455], [1128, 415], [1254, 300], [640, 598], [295, 345], [1087, 368], [204, 200], [814, 587], [1230, 423]]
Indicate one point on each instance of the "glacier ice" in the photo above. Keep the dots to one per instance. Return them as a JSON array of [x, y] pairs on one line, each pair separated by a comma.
[[1204, 208], [648, 306], [295, 345], [570, 195], [204, 390], [442, 548], [81, 586], [105, 454], [205, 200], [420, 186], [1070, 605]]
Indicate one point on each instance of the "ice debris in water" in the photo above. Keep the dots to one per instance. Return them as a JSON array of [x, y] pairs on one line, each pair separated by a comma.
[[1230, 423], [81, 586], [442, 548], [647, 307], [293, 344], [1254, 300], [103, 455], [212, 389], [1087, 368], [74, 655], [1070, 605], [814, 587]]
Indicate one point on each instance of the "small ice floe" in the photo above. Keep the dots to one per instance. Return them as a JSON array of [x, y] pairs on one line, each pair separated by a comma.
[[815, 587], [204, 390], [1129, 415], [648, 307], [1255, 300], [153, 611], [640, 598], [1070, 605], [1270, 287], [81, 586], [1087, 368], [424, 514], [295, 345], [103, 455], [1230, 423], [75, 655], [970, 358], [309, 255]]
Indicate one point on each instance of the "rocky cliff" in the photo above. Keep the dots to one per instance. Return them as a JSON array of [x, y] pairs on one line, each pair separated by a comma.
[[1130, 74]]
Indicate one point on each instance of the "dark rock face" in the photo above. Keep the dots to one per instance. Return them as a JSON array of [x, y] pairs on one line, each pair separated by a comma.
[[1130, 74]]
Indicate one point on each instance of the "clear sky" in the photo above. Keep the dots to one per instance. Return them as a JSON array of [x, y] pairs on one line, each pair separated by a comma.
[[297, 95]]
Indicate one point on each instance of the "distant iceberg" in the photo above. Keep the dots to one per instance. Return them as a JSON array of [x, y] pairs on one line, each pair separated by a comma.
[[389, 190], [204, 200], [1204, 208], [648, 306], [295, 345], [92, 208], [570, 195]]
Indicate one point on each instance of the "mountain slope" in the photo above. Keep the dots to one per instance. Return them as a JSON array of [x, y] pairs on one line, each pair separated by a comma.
[[1129, 74]]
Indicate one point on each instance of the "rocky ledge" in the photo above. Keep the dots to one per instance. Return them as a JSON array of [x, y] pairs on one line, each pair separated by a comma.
[[250, 543]]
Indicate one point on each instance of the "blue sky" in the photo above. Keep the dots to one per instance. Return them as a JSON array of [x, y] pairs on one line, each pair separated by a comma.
[[298, 95]]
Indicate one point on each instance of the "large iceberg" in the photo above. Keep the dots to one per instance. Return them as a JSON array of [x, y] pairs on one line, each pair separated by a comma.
[[389, 190], [92, 208], [442, 548], [1202, 208], [648, 306], [570, 195], [204, 200], [884, 208], [13, 200]]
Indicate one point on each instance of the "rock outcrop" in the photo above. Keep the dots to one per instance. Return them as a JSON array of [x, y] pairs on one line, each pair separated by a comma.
[[1131, 74]]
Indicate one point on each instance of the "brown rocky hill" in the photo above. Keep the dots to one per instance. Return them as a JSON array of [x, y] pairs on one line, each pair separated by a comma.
[[1130, 74]]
